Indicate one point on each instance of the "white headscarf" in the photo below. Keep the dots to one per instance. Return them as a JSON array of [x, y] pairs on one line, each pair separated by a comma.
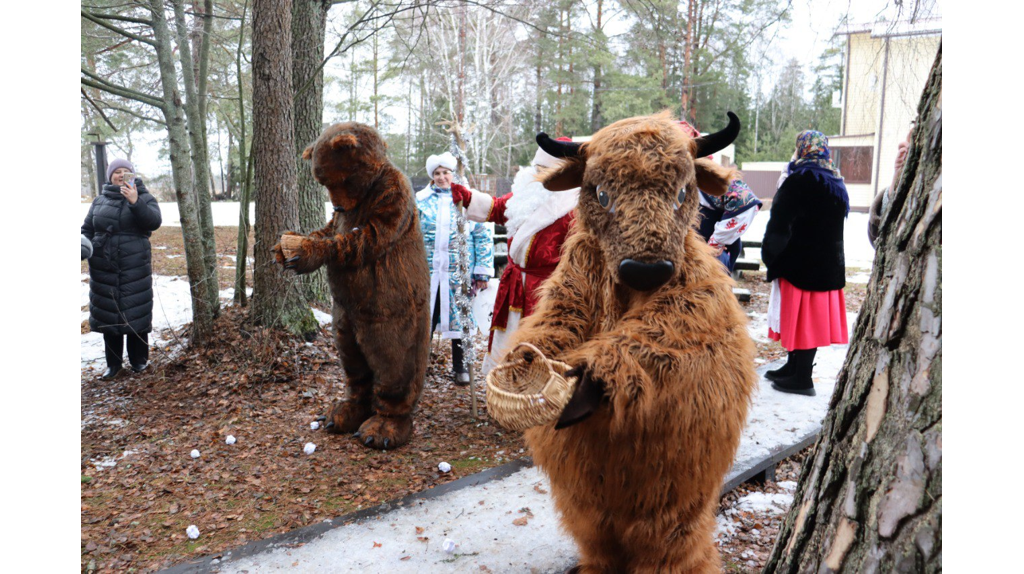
[[435, 161]]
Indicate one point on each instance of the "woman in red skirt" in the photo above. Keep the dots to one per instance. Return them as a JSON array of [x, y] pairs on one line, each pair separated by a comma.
[[803, 251]]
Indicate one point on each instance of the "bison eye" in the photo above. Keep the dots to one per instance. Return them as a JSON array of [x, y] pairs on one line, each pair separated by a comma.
[[603, 198], [681, 196]]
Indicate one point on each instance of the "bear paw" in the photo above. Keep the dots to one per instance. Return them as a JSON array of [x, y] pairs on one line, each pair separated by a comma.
[[382, 432], [346, 416]]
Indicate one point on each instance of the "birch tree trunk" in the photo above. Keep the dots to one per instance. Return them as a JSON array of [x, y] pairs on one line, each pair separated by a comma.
[[309, 25], [277, 299], [870, 496], [181, 175]]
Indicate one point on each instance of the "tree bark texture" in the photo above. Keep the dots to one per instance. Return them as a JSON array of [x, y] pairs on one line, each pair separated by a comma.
[[870, 495], [200, 157], [277, 300], [309, 24], [181, 175]]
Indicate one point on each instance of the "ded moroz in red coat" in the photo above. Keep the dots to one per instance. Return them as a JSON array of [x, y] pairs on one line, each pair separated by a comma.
[[538, 221]]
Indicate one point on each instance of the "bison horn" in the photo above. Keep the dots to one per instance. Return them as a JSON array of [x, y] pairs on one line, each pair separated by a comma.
[[717, 141], [557, 148]]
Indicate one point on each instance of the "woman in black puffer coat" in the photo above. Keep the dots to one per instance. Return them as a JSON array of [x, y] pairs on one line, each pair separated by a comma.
[[119, 224]]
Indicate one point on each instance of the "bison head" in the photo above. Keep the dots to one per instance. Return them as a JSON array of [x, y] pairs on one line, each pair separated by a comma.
[[638, 181]]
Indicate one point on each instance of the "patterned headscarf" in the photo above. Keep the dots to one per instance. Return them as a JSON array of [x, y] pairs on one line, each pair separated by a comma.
[[736, 200], [812, 147], [813, 155]]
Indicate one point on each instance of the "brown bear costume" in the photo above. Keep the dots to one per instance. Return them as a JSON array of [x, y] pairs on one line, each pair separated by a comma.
[[377, 269]]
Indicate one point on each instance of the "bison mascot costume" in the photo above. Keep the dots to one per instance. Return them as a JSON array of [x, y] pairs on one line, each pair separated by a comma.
[[645, 315], [377, 270]]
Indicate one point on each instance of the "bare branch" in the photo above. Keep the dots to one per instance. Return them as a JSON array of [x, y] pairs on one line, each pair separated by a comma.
[[94, 81], [92, 18], [98, 109], [131, 112], [121, 18]]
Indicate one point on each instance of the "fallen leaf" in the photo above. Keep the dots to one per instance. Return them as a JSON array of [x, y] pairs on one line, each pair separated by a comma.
[[521, 521], [405, 557], [377, 545]]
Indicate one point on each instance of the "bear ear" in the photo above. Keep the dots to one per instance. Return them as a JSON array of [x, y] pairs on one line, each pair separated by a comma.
[[344, 140], [308, 152]]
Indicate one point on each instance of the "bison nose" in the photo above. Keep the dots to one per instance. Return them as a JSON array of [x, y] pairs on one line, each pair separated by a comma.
[[645, 276]]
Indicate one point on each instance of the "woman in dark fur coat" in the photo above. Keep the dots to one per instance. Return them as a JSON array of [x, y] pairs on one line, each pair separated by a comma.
[[803, 250], [119, 224]]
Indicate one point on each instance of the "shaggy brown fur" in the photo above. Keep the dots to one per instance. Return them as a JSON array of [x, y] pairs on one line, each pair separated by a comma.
[[638, 481], [377, 270]]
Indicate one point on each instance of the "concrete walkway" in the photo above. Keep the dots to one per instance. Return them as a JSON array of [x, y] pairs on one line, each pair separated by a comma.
[[502, 520]]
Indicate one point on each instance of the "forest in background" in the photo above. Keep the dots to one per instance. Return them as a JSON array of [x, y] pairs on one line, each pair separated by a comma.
[[503, 70]]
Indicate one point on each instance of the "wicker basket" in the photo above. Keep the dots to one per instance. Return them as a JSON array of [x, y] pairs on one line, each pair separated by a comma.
[[523, 394]]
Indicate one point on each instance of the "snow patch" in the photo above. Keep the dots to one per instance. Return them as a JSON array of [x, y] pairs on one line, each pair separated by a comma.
[[765, 503], [323, 318], [110, 461]]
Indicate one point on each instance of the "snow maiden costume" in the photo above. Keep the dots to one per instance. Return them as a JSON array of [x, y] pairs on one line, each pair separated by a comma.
[[537, 221], [803, 251], [438, 221]]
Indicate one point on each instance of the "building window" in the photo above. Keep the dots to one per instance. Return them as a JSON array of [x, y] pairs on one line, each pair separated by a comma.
[[854, 163]]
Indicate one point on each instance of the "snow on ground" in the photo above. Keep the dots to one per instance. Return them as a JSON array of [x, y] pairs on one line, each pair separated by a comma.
[[480, 520], [760, 503]]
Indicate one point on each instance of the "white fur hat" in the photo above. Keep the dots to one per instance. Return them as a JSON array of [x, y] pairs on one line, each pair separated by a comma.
[[544, 159], [435, 161]]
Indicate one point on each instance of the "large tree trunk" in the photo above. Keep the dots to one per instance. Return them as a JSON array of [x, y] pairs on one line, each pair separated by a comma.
[[870, 496], [181, 174], [200, 157], [309, 24], [277, 299]]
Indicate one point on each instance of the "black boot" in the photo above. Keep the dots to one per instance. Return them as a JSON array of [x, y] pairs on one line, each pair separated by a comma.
[[800, 381], [110, 373], [459, 371], [783, 371]]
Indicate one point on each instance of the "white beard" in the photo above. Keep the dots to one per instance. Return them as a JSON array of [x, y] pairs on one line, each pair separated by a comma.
[[528, 195]]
